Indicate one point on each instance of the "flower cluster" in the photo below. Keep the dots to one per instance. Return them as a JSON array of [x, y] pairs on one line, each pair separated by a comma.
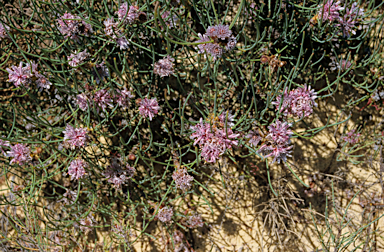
[[217, 40], [72, 26], [3, 31], [352, 137], [330, 11], [75, 137], [298, 102], [277, 142], [117, 175], [149, 108], [254, 137], [103, 99], [182, 179], [195, 221], [164, 67], [377, 95], [129, 16], [21, 154], [165, 214], [23, 76], [77, 168], [111, 30], [214, 137], [77, 58]]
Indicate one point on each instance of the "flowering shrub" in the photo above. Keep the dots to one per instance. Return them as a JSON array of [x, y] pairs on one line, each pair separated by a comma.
[[143, 98]]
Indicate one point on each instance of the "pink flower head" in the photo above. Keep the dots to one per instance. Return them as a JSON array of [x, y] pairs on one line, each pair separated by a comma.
[[278, 152], [165, 214], [202, 133], [215, 50], [211, 152], [123, 97], [75, 137], [195, 221], [111, 30], [347, 23], [76, 59], [20, 75], [279, 132], [3, 31], [82, 101], [72, 26], [278, 140], [223, 31], [298, 102], [149, 108], [330, 11], [20, 153], [128, 17], [254, 137], [76, 168], [232, 41], [352, 137], [203, 47], [164, 67], [42, 82], [182, 179], [225, 138], [102, 99]]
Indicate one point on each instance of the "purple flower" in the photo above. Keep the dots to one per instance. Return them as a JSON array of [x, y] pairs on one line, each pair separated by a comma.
[[20, 75], [347, 23], [76, 59], [330, 11], [123, 97], [211, 152], [75, 137], [195, 221], [202, 133], [149, 108], [76, 168], [203, 47], [279, 132], [215, 50], [111, 29], [20, 153], [3, 31], [165, 214], [42, 82], [231, 44], [128, 17], [164, 67], [82, 101], [352, 137], [219, 31], [298, 102], [277, 142], [254, 137], [72, 26], [182, 179], [214, 139], [102, 99]]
